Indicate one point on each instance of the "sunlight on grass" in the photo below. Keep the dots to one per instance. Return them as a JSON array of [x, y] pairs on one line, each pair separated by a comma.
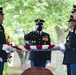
[[11, 71]]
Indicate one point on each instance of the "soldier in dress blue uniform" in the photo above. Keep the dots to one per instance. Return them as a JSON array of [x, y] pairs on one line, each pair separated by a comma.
[[70, 53], [38, 37], [70, 22], [3, 54]]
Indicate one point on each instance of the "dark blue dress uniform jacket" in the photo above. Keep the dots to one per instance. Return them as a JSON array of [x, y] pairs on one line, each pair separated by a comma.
[[70, 53], [3, 54], [35, 38]]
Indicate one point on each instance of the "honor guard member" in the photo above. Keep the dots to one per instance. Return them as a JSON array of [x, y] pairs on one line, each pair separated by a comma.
[[70, 22], [3, 54], [70, 53], [38, 37]]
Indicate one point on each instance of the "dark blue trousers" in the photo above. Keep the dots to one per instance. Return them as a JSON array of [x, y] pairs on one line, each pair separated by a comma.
[[73, 69], [1, 68], [68, 69], [38, 63]]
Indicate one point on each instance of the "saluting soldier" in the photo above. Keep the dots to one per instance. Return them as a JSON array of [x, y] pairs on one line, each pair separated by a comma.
[[70, 53], [38, 37], [3, 54]]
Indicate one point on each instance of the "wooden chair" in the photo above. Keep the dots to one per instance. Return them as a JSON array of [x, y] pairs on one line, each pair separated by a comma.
[[37, 71]]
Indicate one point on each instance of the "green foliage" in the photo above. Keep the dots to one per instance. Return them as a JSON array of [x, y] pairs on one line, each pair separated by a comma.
[[5, 68], [12, 71], [20, 14]]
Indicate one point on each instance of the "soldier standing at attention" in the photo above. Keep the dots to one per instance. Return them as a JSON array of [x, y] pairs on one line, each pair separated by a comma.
[[70, 53], [38, 37], [3, 54], [70, 23]]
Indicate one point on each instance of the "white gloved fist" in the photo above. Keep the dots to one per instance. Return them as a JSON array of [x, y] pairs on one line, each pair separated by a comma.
[[62, 47], [35, 28], [10, 49], [48, 62], [5, 46], [56, 47]]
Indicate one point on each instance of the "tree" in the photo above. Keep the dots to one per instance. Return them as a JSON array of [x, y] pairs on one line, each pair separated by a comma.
[[20, 16]]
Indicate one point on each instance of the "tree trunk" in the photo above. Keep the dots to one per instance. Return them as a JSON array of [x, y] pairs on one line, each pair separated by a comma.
[[61, 39], [60, 35], [24, 59]]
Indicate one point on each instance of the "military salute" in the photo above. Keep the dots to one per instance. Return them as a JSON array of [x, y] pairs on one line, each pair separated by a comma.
[[38, 37], [70, 53], [3, 54]]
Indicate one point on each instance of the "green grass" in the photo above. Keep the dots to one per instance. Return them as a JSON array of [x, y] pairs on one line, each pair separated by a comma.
[[12, 71], [16, 71]]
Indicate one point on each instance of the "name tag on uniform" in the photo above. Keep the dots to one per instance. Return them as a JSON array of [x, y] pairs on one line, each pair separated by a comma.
[[45, 38]]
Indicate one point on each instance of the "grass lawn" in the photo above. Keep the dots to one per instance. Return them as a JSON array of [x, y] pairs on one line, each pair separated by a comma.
[[12, 71], [18, 71]]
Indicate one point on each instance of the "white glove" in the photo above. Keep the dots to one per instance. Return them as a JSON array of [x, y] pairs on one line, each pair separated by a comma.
[[56, 47], [1, 60], [5, 46], [48, 62], [35, 28], [62, 47], [10, 49]]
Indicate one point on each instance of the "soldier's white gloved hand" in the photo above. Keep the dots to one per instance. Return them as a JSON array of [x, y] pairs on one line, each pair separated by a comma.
[[48, 62], [56, 47], [62, 47], [1, 60], [10, 49], [5, 46], [35, 28]]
